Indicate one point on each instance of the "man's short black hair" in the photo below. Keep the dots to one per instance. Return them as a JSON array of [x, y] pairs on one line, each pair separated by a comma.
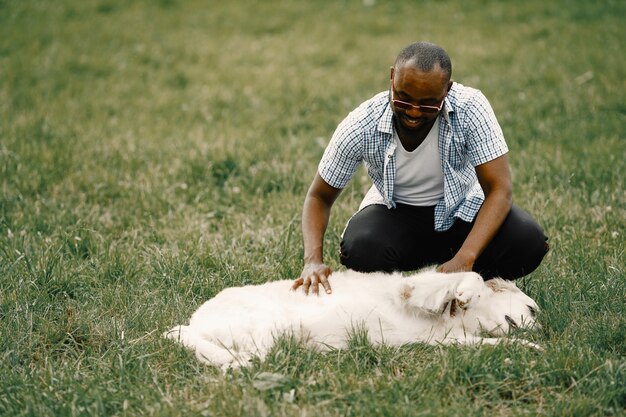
[[424, 56]]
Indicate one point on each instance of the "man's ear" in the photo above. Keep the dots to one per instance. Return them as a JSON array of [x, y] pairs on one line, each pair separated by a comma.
[[391, 70]]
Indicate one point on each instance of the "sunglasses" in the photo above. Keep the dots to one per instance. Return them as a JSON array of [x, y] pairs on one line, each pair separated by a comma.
[[408, 106]]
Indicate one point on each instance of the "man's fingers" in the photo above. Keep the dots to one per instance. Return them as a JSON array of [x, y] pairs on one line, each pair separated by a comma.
[[311, 283], [297, 283], [315, 282], [326, 285]]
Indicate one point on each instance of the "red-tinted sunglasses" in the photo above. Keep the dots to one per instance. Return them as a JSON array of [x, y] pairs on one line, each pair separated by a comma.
[[408, 106]]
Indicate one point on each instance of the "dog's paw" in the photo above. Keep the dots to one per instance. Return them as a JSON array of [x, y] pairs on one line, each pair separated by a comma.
[[464, 298], [174, 333], [238, 360], [229, 366], [528, 343], [468, 290]]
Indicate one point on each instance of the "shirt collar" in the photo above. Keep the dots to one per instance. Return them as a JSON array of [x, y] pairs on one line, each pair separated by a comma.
[[447, 105], [447, 109], [385, 125]]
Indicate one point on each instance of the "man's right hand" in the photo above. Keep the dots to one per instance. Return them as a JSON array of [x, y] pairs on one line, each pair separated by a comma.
[[311, 277]]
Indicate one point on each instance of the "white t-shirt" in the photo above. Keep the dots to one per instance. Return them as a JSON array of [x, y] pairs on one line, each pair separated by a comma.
[[419, 179]]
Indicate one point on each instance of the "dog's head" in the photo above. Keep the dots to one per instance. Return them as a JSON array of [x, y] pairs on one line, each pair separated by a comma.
[[504, 307]]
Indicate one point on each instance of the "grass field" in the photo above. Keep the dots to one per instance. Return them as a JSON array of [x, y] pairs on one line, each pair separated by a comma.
[[155, 152]]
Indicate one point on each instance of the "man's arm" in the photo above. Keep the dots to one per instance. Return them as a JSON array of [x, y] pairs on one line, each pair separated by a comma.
[[315, 215], [495, 179]]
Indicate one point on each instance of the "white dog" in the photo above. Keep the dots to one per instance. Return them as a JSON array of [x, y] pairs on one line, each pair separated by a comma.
[[428, 307]]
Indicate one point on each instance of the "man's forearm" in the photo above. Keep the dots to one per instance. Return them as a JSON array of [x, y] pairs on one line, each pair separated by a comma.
[[490, 217], [315, 215]]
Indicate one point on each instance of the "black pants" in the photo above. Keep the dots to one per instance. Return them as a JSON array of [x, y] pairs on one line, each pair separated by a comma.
[[404, 239]]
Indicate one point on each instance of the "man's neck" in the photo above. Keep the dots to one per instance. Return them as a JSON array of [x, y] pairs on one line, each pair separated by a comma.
[[411, 139]]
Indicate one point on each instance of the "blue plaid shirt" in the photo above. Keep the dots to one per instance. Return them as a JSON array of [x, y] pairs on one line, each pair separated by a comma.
[[469, 135]]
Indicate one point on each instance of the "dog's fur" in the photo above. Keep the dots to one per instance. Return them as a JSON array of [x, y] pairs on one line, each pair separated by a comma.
[[429, 307]]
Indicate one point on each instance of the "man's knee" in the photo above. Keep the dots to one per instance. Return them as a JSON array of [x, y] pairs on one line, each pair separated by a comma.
[[518, 249], [530, 237], [535, 245], [364, 250]]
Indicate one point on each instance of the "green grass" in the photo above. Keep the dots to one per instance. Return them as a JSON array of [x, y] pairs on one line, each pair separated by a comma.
[[155, 152]]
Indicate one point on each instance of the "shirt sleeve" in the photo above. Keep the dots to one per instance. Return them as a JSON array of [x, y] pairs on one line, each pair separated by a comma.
[[485, 140], [343, 154]]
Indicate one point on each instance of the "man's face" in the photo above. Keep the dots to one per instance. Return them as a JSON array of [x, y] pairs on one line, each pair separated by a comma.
[[418, 88]]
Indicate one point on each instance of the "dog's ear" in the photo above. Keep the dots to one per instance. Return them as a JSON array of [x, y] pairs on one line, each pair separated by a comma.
[[418, 298], [501, 285], [406, 291]]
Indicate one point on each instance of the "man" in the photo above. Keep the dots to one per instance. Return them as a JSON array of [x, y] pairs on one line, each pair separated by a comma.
[[441, 190]]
